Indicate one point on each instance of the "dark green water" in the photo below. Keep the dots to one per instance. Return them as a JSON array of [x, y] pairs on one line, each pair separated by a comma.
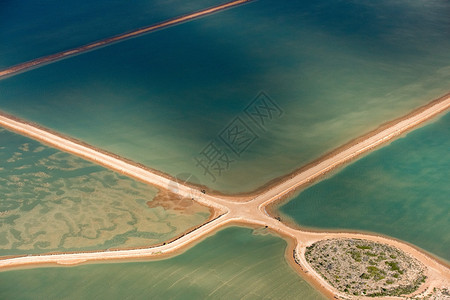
[[337, 69], [233, 264], [401, 190], [31, 29]]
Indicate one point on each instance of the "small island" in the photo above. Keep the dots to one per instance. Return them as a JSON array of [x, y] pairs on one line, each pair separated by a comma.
[[365, 268]]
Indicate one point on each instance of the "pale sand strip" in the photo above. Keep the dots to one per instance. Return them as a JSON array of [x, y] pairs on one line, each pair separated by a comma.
[[234, 212], [328, 164], [102, 43]]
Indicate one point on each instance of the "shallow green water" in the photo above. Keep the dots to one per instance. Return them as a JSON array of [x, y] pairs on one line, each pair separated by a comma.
[[337, 70], [54, 201], [401, 190], [232, 264]]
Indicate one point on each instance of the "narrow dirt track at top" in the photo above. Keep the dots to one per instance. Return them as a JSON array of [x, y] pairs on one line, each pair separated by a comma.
[[35, 63]]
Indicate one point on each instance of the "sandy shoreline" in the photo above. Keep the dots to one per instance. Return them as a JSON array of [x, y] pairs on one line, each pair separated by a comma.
[[102, 43], [298, 240], [249, 209]]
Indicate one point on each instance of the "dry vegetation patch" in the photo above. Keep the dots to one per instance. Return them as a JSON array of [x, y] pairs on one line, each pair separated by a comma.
[[362, 267]]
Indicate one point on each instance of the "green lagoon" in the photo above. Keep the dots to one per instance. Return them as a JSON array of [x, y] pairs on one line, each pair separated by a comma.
[[337, 69], [232, 264], [54, 201], [400, 190]]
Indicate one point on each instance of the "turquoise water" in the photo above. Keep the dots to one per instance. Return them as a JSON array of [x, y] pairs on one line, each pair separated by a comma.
[[232, 264], [400, 190], [337, 69], [54, 201]]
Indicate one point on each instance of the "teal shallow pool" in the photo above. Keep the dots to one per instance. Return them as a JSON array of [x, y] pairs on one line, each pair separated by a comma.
[[400, 190]]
